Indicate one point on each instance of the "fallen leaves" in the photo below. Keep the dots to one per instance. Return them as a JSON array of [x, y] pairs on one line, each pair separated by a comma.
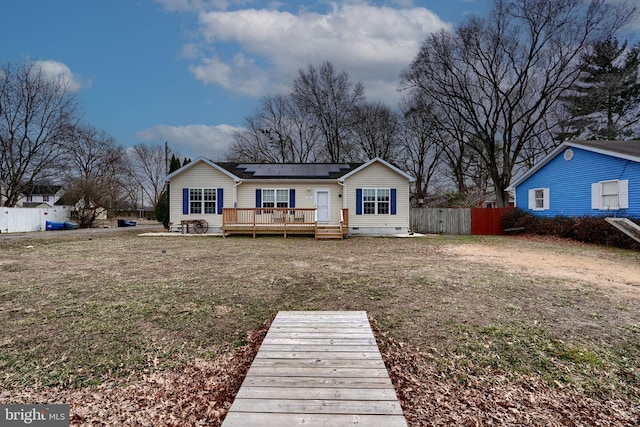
[[432, 396], [200, 393]]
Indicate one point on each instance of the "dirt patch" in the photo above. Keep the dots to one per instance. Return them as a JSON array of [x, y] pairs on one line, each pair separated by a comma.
[[592, 266]]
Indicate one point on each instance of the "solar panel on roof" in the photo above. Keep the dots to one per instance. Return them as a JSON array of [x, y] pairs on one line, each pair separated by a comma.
[[318, 170]]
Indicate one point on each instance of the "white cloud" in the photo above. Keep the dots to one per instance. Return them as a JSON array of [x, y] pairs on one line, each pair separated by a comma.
[[56, 70], [241, 75], [193, 140], [373, 44], [256, 52]]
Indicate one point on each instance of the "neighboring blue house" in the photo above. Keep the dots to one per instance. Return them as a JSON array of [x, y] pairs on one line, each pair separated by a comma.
[[584, 178]]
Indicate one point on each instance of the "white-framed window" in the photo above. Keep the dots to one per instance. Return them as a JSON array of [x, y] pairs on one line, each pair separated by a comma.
[[376, 201], [610, 195], [209, 199], [539, 199], [202, 200], [275, 197]]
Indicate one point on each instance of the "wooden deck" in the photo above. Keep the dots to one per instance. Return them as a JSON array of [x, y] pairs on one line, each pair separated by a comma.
[[285, 221], [317, 368]]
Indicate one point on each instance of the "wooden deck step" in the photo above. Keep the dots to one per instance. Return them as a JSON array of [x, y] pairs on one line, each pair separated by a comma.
[[328, 232], [317, 368]]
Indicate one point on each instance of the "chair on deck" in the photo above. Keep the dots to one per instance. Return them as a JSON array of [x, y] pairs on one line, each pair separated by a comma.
[[298, 216], [278, 216]]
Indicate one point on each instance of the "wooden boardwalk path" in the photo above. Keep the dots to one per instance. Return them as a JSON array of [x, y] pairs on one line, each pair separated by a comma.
[[317, 368]]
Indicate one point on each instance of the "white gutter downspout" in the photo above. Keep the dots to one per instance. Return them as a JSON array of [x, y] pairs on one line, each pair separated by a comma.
[[235, 193], [344, 194]]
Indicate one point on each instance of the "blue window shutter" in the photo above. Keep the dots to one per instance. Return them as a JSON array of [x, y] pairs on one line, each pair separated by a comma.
[[393, 201], [220, 200], [292, 198], [185, 201], [358, 201], [258, 198]]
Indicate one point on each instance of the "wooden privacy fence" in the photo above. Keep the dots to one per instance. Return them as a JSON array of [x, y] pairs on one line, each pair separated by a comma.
[[487, 221], [457, 221], [440, 220]]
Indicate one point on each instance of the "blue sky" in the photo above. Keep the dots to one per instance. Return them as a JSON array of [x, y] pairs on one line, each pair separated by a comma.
[[189, 71]]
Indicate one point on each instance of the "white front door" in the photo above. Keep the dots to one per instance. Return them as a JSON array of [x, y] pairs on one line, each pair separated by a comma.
[[322, 204]]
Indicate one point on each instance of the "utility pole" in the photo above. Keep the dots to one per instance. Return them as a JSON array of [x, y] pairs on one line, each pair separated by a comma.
[[166, 158]]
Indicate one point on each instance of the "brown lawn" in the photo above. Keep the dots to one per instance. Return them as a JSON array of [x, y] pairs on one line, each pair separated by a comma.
[[474, 330]]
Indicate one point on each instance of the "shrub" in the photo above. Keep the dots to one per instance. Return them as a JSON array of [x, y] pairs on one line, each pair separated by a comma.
[[588, 229], [565, 227], [592, 230], [515, 218]]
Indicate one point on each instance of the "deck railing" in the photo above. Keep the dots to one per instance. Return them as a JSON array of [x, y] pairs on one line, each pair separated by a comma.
[[344, 220], [276, 220], [268, 216]]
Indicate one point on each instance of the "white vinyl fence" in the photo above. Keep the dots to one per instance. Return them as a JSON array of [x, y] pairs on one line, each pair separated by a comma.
[[20, 220]]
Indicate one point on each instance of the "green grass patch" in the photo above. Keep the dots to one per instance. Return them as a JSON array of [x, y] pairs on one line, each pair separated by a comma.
[[598, 370]]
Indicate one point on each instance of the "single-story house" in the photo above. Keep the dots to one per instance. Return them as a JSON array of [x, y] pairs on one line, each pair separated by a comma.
[[335, 199], [76, 207], [583, 178]]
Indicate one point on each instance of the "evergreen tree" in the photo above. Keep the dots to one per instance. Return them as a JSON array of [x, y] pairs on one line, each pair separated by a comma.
[[605, 103], [162, 209], [174, 164]]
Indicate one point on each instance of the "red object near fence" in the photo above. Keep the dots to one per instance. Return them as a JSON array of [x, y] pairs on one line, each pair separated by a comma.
[[487, 221]]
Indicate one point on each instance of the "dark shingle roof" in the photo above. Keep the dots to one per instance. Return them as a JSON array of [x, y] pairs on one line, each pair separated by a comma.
[[628, 148], [288, 170], [42, 189]]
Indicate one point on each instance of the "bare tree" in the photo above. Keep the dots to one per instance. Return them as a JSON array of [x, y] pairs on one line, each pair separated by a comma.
[[420, 142], [252, 144], [278, 132], [502, 75], [148, 170], [95, 170], [37, 115], [328, 98], [374, 131]]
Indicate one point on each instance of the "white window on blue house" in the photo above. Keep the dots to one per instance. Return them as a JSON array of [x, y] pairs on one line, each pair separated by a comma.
[[610, 195], [539, 199], [202, 200]]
